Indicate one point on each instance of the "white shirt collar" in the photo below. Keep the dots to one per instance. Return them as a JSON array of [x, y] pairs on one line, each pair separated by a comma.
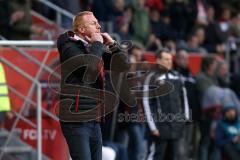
[[76, 37]]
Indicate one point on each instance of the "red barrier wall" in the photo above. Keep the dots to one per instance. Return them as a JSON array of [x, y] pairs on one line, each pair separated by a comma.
[[54, 145]]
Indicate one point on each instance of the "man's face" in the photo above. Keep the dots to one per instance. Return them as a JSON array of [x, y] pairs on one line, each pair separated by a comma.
[[119, 5], [90, 25], [212, 68], [193, 42], [137, 54], [166, 60], [200, 34], [231, 114], [223, 71], [182, 59]]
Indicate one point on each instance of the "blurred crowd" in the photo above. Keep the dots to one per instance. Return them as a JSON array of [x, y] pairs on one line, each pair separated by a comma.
[[210, 131], [198, 26], [16, 20], [183, 27]]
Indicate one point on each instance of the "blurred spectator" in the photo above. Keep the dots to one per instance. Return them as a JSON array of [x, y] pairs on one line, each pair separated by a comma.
[[224, 21], [189, 140], [179, 17], [222, 74], [192, 45], [155, 22], [140, 21], [228, 133], [128, 13], [154, 43], [182, 66], [214, 42], [160, 25], [223, 78], [5, 18], [21, 26], [201, 11], [235, 25], [134, 126], [160, 29], [171, 45], [205, 79], [210, 14], [200, 33], [136, 53], [216, 98], [165, 132], [122, 28], [117, 9]]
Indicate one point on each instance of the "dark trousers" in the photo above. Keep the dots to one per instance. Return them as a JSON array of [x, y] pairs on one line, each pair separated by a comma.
[[165, 149], [207, 147], [136, 144], [84, 140]]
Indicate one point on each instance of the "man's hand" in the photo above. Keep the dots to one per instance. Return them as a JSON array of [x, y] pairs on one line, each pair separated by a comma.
[[16, 16], [94, 37], [107, 39], [156, 133]]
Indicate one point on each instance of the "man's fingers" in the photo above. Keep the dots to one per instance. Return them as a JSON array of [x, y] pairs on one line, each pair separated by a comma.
[[88, 39], [104, 34], [107, 38]]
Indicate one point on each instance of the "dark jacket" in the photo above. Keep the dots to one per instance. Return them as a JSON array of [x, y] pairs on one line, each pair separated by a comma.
[[81, 85], [165, 107], [192, 93]]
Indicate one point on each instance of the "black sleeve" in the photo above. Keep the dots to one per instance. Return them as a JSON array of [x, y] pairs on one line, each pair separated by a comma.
[[96, 49], [121, 60], [70, 49]]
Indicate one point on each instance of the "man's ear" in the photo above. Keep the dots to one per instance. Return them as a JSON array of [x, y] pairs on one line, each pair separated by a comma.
[[81, 30]]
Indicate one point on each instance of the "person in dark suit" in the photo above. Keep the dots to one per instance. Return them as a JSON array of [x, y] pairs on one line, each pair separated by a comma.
[[82, 54], [167, 114]]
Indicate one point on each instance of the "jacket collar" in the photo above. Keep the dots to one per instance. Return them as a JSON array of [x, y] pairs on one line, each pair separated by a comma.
[[75, 37]]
